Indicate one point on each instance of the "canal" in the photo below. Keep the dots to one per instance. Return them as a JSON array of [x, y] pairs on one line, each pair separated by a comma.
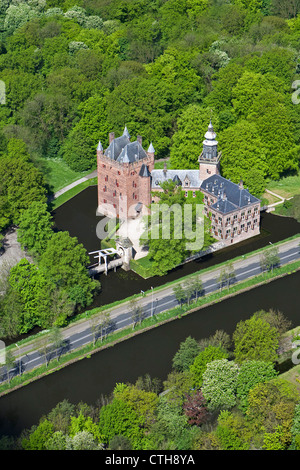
[[149, 352]]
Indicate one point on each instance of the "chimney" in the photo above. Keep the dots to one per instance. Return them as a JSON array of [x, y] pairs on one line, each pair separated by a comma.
[[139, 139], [111, 136], [241, 184]]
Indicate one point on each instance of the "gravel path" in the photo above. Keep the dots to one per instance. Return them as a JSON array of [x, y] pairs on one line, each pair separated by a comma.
[[13, 252]]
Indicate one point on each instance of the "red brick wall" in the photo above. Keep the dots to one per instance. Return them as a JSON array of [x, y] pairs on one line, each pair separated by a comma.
[[117, 181]]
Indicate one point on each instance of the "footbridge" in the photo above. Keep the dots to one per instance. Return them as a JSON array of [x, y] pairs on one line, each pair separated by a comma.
[[123, 251]]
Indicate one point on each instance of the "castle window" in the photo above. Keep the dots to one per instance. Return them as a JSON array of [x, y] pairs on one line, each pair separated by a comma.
[[104, 166], [117, 184], [105, 201], [106, 178]]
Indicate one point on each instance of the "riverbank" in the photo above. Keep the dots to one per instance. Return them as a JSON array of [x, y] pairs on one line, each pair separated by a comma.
[[146, 325]]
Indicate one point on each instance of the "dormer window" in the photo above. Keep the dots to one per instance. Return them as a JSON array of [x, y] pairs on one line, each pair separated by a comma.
[[186, 182]]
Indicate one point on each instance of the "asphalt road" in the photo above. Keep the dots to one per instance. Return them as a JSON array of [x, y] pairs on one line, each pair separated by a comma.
[[154, 302]]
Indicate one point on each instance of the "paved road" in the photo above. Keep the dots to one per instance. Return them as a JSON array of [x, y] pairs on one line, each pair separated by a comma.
[[154, 302]]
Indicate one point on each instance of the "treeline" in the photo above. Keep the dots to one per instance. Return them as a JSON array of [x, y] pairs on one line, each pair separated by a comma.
[[76, 70], [48, 289], [223, 393]]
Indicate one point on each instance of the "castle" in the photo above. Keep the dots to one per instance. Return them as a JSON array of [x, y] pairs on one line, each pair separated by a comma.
[[126, 178]]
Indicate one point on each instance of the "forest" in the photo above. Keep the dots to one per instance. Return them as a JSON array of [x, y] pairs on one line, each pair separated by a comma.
[[222, 393]]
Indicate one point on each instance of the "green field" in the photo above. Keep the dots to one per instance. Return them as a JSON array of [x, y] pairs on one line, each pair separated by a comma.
[[58, 174], [286, 187]]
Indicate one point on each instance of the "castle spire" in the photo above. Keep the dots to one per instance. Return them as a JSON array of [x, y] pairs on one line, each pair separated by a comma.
[[210, 144], [126, 132]]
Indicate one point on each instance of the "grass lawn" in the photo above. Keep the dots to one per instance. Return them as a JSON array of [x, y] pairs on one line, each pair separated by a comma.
[[269, 198], [286, 187], [142, 266], [159, 165], [293, 376], [72, 192], [58, 174]]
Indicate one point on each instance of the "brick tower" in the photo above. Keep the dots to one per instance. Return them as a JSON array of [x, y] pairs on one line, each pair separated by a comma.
[[124, 176]]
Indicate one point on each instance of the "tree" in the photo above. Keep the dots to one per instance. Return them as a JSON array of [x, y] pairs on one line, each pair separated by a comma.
[[177, 386], [275, 319], [295, 429], [118, 418], [119, 443], [269, 259], [271, 408], [10, 363], [180, 294], [136, 312], [57, 340], [195, 409], [83, 440], [187, 140], [219, 339], [21, 184], [33, 288], [39, 436], [81, 423], [142, 402], [186, 354], [11, 308], [219, 384], [233, 431], [35, 228], [99, 325], [197, 286], [65, 261], [200, 364], [252, 373], [226, 276], [255, 339]]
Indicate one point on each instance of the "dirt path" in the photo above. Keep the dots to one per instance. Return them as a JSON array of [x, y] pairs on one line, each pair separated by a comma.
[[13, 252]]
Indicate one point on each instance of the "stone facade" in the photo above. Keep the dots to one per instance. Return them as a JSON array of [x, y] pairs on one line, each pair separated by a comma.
[[126, 178]]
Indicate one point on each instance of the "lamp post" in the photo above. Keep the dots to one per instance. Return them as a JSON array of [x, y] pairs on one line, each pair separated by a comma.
[[152, 302], [19, 360]]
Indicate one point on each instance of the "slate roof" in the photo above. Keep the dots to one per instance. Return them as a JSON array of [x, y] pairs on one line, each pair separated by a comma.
[[144, 171], [159, 176], [230, 196], [124, 151]]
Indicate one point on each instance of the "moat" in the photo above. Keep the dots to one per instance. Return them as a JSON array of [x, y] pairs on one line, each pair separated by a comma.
[[78, 217]]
